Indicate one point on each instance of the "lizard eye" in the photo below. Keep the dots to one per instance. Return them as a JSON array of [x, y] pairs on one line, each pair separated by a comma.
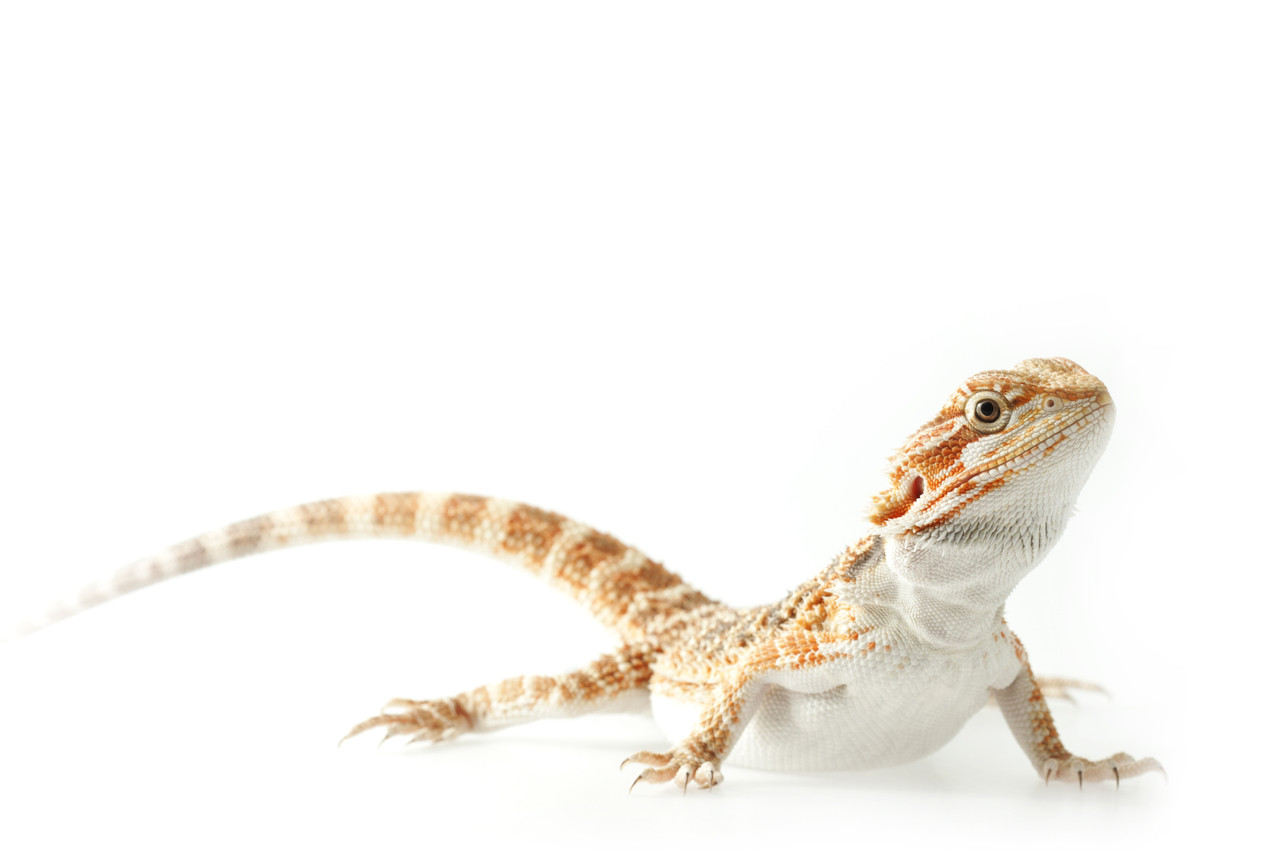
[[987, 412]]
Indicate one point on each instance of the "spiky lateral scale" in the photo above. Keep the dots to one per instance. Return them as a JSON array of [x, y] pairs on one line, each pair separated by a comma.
[[620, 586]]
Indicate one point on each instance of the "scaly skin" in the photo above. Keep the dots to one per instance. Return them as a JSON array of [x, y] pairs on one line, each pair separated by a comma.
[[878, 660]]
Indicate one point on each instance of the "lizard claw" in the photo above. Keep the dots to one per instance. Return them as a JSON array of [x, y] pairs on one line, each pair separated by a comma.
[[681, 764], [1119, 766], [431, 721]]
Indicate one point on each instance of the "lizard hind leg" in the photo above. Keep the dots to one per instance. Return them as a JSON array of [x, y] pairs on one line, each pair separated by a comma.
[[613, 682]]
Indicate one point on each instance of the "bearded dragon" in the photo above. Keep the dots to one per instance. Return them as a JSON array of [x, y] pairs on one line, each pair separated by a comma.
[[876, 661]]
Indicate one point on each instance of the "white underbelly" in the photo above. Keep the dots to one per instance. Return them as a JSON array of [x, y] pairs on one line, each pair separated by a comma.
[[860, 724]]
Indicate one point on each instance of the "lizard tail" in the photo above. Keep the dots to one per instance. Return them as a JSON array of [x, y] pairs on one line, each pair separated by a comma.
[[620, 586]]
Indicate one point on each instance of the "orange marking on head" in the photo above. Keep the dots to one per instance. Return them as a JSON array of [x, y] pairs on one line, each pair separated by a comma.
[[934, 452]]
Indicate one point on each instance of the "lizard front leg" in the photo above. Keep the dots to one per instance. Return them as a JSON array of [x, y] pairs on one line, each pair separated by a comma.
[[697, 757], [607, 683], [1028, 716], [732, 699]]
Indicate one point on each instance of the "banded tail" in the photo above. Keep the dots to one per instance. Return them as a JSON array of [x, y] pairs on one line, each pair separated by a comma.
[[620, 586]]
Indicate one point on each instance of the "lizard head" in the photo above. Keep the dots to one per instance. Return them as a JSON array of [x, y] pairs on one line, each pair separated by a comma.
[[1004, 459]]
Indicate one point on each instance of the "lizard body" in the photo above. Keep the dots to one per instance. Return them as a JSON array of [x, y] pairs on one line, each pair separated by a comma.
[[878, 660]]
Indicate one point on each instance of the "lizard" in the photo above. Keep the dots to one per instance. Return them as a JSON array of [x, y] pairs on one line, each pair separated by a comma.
[[878, 660]]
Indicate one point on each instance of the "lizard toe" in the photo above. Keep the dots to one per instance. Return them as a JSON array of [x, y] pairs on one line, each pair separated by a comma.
[[681, 764], [1081, 770]]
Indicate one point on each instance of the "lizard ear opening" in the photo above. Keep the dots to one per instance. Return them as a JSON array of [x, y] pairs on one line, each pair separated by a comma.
[[917, 488], [895, 502]]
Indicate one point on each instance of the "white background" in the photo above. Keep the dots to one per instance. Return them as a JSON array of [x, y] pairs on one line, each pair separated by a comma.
[[685, 271]]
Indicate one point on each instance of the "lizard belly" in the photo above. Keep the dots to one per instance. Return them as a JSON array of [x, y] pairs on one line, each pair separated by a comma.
[[841, 729], [854, 718]]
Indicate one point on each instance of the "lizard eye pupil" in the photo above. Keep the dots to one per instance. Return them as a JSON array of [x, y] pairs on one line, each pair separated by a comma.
[[988, 412]]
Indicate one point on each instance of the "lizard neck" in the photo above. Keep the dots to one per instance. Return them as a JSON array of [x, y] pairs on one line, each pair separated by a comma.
[[949, 585], [938, 593]]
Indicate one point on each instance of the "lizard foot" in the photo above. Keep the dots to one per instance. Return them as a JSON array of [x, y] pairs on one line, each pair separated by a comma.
[[1060, 688], [1080, 770], [684, 762], [432, 721]]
